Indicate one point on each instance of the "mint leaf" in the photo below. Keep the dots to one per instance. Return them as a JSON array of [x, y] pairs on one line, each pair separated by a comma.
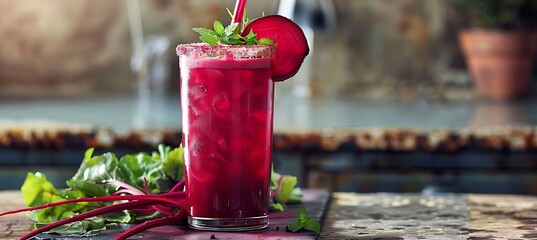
[[231, 29], [302, 221], [205, 31], [251, 38], [207, 35], [230, 35], [295, 226], [265, 41], [233, 39], [218, 28], [302, 214], [210, 39], [313, 225]]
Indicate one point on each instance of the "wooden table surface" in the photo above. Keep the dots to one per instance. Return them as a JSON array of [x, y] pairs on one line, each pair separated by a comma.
[[382, 216]]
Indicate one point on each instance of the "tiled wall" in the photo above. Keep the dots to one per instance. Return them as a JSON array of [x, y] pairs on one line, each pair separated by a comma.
[[381, 48]]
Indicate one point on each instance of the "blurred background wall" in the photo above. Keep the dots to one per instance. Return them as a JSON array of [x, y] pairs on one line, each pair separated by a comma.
[[381, 48]]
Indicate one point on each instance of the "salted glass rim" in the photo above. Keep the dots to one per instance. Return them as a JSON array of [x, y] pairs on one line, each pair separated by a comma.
[[237, 51]]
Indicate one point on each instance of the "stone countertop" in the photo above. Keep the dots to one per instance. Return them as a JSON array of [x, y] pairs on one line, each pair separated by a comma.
[[391, 216], [411, 216]]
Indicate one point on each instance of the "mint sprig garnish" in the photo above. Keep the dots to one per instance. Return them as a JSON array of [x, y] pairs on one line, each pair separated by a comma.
[[229, 35], [304, 222]]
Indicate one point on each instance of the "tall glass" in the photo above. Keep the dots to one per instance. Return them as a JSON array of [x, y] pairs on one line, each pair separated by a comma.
[[227, 108]]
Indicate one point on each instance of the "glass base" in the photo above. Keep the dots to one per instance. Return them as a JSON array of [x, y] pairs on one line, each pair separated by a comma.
[[228, 224]]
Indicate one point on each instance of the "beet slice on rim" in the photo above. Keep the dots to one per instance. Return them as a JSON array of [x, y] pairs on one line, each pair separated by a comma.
[[291, 41]]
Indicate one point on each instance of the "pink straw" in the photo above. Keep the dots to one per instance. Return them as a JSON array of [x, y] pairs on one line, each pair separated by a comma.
[[238, 15]]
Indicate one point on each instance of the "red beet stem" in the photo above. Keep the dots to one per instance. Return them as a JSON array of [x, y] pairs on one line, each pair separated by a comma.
[[124, 185], [151, 224], [163, 210], [144, 211], [238, 15], [164, 198], [146, 187], [178, 186], [92, 213], [126, 191]]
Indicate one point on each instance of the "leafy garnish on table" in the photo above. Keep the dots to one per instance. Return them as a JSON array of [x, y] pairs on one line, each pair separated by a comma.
[[283, 191], [158, 171], [106, 176], [304, 222]]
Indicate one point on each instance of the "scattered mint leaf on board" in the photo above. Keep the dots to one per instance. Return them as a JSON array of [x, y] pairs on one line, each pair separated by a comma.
[[312, 225], [295, 226], [302, 214], [304, 222]]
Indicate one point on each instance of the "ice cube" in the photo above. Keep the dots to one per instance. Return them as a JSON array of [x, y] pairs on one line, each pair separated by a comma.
[[205, 167], [200, 106], [199, 144], [197, 91], [221, 104], [216, 159], [206, 76], [241, 143], [239, 88], [199, 121], [223, 145]]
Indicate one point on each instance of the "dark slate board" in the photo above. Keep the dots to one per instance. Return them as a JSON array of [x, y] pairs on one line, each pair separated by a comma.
[[315, 202]]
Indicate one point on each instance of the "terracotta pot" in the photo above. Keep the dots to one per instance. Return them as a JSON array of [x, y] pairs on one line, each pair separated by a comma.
[[500, 62]]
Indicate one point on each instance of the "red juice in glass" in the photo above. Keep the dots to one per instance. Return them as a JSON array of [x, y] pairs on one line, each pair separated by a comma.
[[227, 109]]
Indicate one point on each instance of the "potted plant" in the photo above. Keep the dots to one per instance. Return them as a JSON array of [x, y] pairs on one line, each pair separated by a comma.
[[498, 43]]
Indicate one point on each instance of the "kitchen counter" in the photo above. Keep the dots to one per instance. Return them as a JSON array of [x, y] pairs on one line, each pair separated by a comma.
[[122, 114], [342, 144], [384, 216]]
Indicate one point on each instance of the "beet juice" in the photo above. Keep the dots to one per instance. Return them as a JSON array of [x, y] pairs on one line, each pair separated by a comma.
[[227, 109]]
